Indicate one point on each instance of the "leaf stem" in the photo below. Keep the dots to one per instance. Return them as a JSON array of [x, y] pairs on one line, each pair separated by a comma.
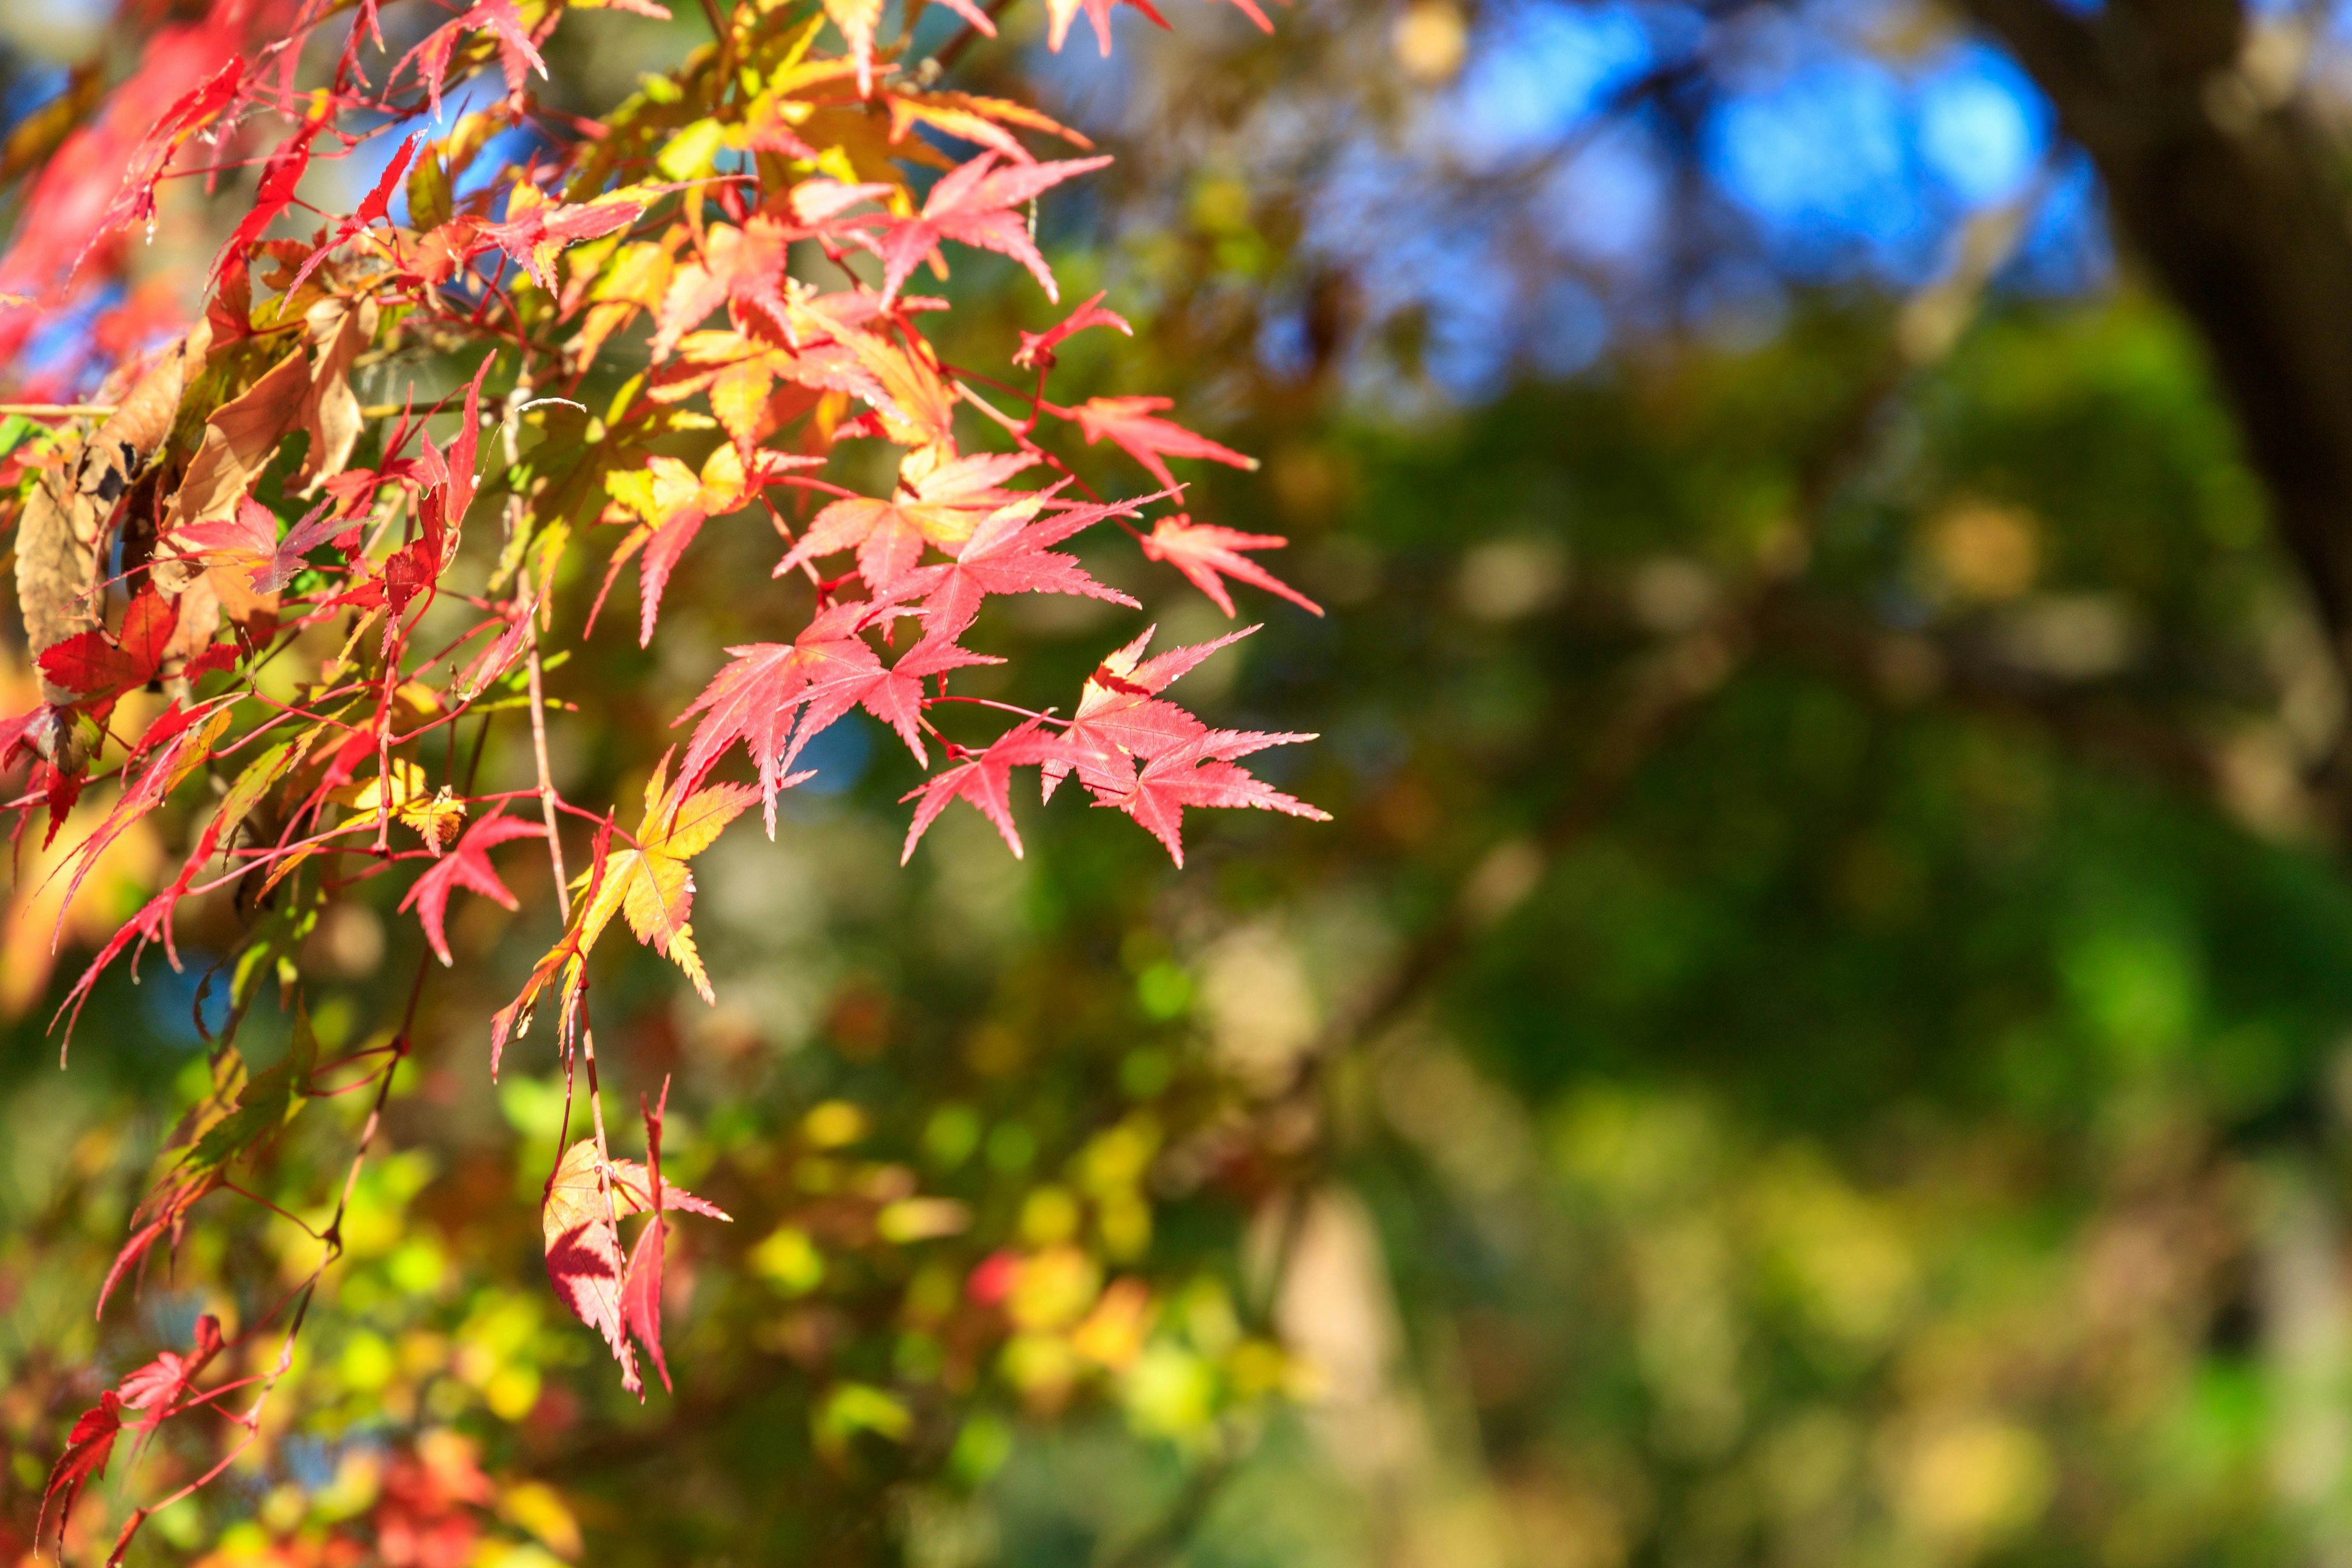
[[538, 757]]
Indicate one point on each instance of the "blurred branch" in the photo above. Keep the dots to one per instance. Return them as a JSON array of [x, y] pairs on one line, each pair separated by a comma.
[[1167, 1535], [1666, 689], [1906, 669]]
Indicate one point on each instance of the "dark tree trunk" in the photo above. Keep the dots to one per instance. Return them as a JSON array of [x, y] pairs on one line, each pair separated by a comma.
[[2228, 192]]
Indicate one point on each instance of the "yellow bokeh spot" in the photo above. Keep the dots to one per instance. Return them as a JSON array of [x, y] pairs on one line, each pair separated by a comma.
[[836, 1124], [789, 1260], [540, 1509], [1971, 1479], [1053, 1288], [367, 1364], [1049, 1215], [1430, 40], [511, 1392], [1985, 553]]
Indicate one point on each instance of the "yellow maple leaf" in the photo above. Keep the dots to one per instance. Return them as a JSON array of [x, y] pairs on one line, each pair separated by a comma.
[[435, 815], [650, 885]]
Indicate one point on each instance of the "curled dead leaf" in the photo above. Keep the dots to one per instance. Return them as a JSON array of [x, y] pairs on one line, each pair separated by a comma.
[[59, 534], [331, 410]]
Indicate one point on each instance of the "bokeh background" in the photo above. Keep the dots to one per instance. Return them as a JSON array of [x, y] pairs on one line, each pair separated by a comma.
[[1821, 1032]]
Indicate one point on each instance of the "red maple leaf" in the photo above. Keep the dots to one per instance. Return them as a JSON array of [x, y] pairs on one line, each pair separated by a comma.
[[1132, 424], [445, 483], [94, 665], [134, 200], [976, 204], [468, 864], [88, 1447], [1007, 554], [516, 52], [984, 778], [374, 207], [279, 176], [1036, 349], [1201, 550], [163, 1211], [448, 481], [1202, 773]]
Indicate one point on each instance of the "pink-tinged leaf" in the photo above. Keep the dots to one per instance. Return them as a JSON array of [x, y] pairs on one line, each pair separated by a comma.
[[1036, 351], [978, 205], [156, 1387], [1203, 550], [641, 1287], [811, 682], [1132, 424], [248, 539], [748, 266], [985, 780], [248, 534], [585, 1199], [1121, 721], [662, 551], [468, 864], [1201, 773], [635, 1183], [1060, 13], [88, 1447], [174, 758], [132, 1254], [938, 503], [1007, 554], [978, 19], [818, 202], [584, 1250], [897, 698], [15, 732], [537, 234], [497, 656], [318, 525]]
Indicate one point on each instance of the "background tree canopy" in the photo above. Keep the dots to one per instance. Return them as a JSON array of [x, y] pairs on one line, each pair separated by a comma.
[[1819, 1032]]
